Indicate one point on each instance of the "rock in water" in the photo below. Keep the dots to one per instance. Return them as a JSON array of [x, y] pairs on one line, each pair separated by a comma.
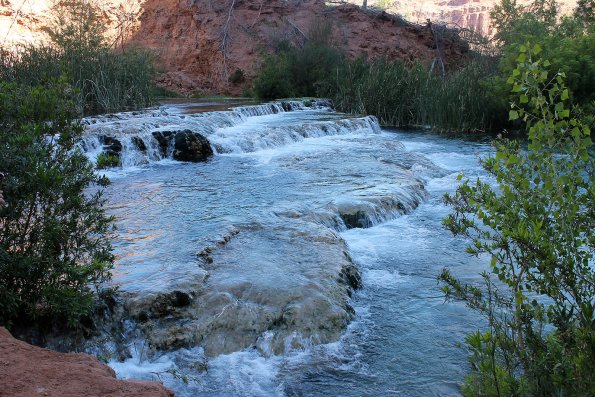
[[163, 139], [27, 370], [111, 145], [274, 298], [191, 146]]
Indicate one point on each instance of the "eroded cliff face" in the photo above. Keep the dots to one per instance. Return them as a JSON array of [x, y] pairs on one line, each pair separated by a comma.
[[468, 14], [21, 21], [201, 43]]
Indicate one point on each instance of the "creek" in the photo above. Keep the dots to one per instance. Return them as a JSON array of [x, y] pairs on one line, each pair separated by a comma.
[[299, 260]]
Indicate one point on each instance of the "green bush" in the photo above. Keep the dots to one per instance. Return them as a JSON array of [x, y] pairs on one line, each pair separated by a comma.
[[274, 80], [296, 71], [105, 160], [538, 227], [568, 44], [103, 79], [54, 234], [237, 77]]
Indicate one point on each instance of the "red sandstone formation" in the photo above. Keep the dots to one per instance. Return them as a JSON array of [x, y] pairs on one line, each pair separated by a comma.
[[469, 14], [27, 371], [201, 43]]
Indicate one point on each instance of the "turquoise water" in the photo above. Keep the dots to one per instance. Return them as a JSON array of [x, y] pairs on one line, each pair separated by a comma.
[[294, 173]]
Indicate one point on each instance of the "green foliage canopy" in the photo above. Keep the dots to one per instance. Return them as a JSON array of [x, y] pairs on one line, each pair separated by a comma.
[[54, 233], [538, 227]]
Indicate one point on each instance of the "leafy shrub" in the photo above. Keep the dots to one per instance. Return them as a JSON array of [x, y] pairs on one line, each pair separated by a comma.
[[237, 77], [296, 71], [538, 227], [54, 238], [274, 81], [103, 79], [105, 160]]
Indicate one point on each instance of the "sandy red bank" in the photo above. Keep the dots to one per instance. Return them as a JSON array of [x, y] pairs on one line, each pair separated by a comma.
[[27, 370]]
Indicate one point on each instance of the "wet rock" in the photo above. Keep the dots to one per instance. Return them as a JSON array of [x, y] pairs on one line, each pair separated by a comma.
[[183, 145], [276, 297], [191, 146], [351, 276], [163, 139], [139, 144], [111, 145], [27, 370], [355, 219]]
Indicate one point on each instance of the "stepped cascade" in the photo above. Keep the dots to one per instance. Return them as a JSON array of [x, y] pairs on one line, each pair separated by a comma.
[[280, 249]]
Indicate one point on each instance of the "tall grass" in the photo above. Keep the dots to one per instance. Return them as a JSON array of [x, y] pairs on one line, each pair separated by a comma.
[[103, 79], [414, 96]]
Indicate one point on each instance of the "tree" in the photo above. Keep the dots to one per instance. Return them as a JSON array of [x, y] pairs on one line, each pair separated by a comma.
[[54, 233], [538, 227], [77, 25], [585, 11], [513, 22]]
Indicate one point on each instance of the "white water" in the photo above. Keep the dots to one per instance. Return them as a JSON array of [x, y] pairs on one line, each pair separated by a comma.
[[300, 169]]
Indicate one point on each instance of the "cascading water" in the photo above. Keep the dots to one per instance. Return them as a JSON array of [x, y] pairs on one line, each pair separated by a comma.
[[240, 274]]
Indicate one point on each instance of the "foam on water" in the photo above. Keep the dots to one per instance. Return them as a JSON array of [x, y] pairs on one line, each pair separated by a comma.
[[240, 130]]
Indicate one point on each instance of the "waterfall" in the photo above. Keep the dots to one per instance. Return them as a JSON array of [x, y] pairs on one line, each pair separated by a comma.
[[138, 138]]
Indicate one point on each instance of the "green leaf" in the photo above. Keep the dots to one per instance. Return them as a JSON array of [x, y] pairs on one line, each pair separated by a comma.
[[524, 98], [564, 95], [536, 49], [513, 115]]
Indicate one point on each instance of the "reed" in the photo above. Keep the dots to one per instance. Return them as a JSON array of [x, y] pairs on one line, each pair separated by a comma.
[[414, 96], [103, 79]]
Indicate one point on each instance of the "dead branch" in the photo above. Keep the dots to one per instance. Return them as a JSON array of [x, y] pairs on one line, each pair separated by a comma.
[[225, 38]]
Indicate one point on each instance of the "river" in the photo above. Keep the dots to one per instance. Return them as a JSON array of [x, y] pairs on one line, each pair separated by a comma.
[[259, 241]]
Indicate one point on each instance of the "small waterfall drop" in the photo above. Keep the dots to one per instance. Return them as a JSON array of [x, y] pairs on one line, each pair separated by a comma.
[[138, 138]]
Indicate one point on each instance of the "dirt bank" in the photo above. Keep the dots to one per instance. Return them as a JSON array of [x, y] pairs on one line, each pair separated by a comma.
[[27, 371]]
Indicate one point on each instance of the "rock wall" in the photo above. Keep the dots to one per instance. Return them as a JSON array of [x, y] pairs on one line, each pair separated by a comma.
[[27, 370], [469, 14], [21, 21], [201, 43]]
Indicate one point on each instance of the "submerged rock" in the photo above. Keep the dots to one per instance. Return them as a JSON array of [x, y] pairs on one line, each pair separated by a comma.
[[275, 298], [111, 145], [139, 144], [163, 139], [27, 370]]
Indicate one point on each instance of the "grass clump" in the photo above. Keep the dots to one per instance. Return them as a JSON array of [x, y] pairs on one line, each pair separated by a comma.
[[103, 79], [106, 160], [401, 95]]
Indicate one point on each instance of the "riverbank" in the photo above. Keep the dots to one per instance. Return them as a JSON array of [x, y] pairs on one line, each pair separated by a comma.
[[27, 370]]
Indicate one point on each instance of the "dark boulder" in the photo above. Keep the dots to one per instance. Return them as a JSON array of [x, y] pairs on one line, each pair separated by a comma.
[[139, 144], [191, 146], [163, 138], [111, 145]]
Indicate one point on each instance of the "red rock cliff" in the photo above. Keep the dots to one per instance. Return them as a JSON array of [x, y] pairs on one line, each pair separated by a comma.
[[200, 43]]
